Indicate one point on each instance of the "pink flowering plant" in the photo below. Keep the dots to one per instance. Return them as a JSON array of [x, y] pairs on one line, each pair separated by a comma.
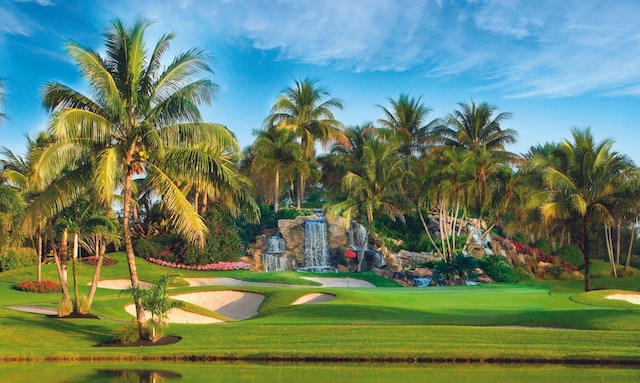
[[217, 266]]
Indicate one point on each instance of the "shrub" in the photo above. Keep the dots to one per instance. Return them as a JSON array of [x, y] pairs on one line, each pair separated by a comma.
[[83, 305], [65, 307], [17, 258], [498, 269], [292, 213], [571, 254], [543, 245], [461, 267], [147, 248], [41, 287], [127, 334], [221, 245]]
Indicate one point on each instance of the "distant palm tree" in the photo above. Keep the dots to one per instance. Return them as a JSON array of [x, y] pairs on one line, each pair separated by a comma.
[[141, 118], [584, 183], [406, 120], [474, 127], [2, 96], [276, 151], [303, 109]]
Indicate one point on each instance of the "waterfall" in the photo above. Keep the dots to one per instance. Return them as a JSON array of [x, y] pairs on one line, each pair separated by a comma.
[[422, 281], [357, 236], [270, 260], [316, 247], [275, 244]]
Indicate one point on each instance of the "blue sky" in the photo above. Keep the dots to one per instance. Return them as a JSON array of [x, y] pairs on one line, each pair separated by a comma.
[[553, 64]]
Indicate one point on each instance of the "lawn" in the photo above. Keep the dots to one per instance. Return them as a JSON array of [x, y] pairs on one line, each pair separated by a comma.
[[541, 321]]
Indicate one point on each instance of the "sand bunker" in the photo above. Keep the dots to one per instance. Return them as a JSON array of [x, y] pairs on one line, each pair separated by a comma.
[[314, 298], [35, 309], [177, 315], [340, 282], [119, 284], [631, 298]]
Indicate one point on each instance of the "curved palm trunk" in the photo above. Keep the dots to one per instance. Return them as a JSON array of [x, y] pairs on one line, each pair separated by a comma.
[[101, 249], [39, 254], [64, 257], [133, 271], [300, 191], [633, 235], [276, 190], [56, 257]]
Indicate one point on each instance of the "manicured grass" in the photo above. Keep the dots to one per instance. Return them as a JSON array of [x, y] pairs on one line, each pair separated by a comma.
[[542, 321]]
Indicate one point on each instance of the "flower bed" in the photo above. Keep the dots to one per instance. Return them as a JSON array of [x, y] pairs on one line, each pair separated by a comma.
[[218, 266], [39, 287]]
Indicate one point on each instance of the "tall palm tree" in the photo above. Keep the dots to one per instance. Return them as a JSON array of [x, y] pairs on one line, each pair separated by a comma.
[[406, 119], [276, 150], [474, 126], [2, 96], [304, 109], [375, 187], [583, 183], [140, 118]]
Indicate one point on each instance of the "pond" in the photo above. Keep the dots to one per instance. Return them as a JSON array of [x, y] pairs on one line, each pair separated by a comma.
[[309, 373]]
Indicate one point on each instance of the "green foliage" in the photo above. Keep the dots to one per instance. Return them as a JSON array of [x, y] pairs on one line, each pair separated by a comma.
[[462, 268], [408, 236], [65, 307], [497, 267], [126, 334], [147, 247], [248, 231], [292, 213], [571, 254], [544, 245], [17, 258]]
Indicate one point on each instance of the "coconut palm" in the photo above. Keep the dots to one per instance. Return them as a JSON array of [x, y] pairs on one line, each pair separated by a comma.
[[406, 119], [583, 183], [276, 150], [374, 188], [141, 118], [304, 109], [474, 126], [2, 96]]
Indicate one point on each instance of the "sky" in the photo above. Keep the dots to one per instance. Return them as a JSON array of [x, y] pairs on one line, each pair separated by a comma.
[[554, 65]]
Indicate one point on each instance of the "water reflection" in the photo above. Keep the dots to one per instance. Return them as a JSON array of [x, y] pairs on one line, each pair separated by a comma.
[[309, 373]]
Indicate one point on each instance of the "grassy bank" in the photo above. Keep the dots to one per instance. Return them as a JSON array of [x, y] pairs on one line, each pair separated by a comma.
[[540, 322]]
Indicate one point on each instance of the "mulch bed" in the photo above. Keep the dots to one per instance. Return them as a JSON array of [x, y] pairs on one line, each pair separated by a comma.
[[165, 340], [75, 316]]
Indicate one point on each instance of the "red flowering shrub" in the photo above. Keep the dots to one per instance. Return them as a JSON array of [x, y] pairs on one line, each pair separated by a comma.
[[39, 287], [93, 260], [540, 255]]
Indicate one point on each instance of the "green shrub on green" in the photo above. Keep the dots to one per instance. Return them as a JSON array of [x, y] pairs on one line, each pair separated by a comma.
[[544, 245], [498, 268], [571, 254], [461, 268], [127, 334], [17, 258], [292, 213], [147, 248], [221, 245]]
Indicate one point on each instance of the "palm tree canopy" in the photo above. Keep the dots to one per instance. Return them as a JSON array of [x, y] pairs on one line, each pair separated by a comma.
[[474, 126]]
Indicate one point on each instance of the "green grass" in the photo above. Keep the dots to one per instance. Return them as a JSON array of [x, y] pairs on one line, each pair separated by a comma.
[[541, 321]]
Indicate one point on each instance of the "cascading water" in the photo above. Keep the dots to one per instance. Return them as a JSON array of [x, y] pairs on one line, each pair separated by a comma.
[[422, 281], [357, 236], [316, 247], [476, 237], [271, 261]]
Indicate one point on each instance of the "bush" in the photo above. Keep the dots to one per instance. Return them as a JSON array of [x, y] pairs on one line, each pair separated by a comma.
[[18, 258], [127, 334], [572, 255], [543, 245], [41, 287], [498, 269], [65, 307], [147, 248], [292, 213], [462, 267]]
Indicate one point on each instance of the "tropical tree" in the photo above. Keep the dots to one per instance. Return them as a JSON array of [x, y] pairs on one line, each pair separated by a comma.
[[140, 119], [304, 110], [474, 126], [2, 96], [582, 183], [374, 188], [275, 151], [406, 119]]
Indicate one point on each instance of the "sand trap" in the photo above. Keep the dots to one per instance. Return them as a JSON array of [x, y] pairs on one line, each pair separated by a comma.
[[631, 298], [35, 309], [340, 282], [119, 284], [177, 315], [314, 298], [237, 305]]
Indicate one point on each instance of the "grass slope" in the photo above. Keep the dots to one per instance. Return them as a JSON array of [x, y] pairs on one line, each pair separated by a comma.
[[546, 321]]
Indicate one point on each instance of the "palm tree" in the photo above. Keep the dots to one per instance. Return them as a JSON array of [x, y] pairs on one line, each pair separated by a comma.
[[582, 183], [275, 150], [140, 119], [303, 109], [2, 95], [374, 188], [406, 119], [474, 127]]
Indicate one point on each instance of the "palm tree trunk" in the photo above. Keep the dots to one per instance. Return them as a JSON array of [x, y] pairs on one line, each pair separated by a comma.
[[205, 201], [426, 229], [74, 263], [300, 190], [128, 245], [618, 242], [196, 200], [64, 257], [39, 253], [276, 190], [585, 252], [56, 257], [633, 235], [101, 248]]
